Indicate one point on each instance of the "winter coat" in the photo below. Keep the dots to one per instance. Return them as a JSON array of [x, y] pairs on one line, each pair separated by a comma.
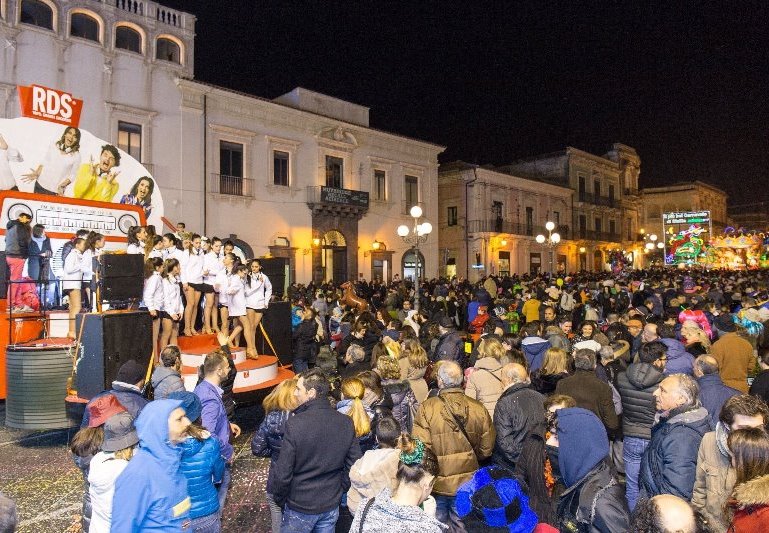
[[636, 387], [166, 380], [714, 481], [450, 348], [404, 402], [760, 386], [202, 465], [416, 377], [518, 411], [596, 504], [669, 464], [370, 474], [457, 458], [152, 490], [593, 394], [751, 504], [39, 246], [713, 395], [103, 472], [319, 448], [17, 239], [679, 360], [304, 340], [386, 516], [268, 438], [214, 416], [485, 383], [735, 359], [545, 383], [534, 349]]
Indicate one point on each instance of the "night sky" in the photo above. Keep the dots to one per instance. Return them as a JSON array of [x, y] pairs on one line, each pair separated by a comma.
[[494, 82]]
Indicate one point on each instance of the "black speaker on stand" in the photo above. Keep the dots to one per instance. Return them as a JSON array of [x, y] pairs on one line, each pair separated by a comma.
[[121, 276], [278, 270], [277, 324]]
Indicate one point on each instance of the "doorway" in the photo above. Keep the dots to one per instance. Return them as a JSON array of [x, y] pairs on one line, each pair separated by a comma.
[[411, 263], [334, 256]]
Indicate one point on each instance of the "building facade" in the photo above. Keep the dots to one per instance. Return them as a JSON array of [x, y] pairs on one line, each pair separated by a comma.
[[302, 176], [489, 220], [679, 197]]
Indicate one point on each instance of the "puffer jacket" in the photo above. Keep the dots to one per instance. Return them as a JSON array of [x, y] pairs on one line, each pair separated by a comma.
[[166, 380], [519, 411], [372, 473], [534, 349], [714, 481], [636, 387], [751, 506], [202, 465], [485, 383], [449, 348], [669, 464], [404, 402], [436, 427], [679, 360]]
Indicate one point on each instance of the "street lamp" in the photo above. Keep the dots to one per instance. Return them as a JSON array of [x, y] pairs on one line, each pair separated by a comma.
[[551, 241], [414, 237]]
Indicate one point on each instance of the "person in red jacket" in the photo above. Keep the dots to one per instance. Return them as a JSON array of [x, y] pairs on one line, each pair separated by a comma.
[[750, 499]]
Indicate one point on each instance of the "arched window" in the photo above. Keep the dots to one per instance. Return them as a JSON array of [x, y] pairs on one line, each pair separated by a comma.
[[36, 13], [127, 38], [84, 26], [168, 50]]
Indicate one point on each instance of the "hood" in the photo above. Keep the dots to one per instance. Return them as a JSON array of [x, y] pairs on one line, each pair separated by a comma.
[[582, 443], [191, 446], [696, 418], [152, 427], [643, 375], [676, 349], [375, 460], [753, 492], [161, 373], [398, 389], [534, 341]]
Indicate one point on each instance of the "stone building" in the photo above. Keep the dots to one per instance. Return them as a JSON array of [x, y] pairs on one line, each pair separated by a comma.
[[302, 176], [679, 197]]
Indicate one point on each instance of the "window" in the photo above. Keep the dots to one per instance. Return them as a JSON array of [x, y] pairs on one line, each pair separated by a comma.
[[230, 168], [84, 26], [128, 39], [168, 50], [581, 188], [611, 192], [452, 215], [529, 221], [612, 227], [129, 139], [598, 225], [582, 226], [36, 13], [380, 185], [280, 167], [411, 191], [496, 209], [334, 172], [597, 188], [557, 218], [629, 229]]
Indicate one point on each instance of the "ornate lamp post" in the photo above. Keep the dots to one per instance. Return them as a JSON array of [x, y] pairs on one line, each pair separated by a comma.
[[551, 241], [414, 237]]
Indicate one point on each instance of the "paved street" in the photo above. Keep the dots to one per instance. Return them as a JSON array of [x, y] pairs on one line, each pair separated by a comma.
[[37, 472]]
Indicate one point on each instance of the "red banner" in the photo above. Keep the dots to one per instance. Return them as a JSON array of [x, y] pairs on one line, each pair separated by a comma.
[[49, 104]]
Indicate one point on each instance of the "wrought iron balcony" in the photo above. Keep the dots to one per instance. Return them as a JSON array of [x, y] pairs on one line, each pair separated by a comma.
[[231, 185], [594, 199], [591, 235], [500, 225]]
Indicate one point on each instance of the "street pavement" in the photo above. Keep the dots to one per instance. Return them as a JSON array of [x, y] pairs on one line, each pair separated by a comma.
[[37, 472]]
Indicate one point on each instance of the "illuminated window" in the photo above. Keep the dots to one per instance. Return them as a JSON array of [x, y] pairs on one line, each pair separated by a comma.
[[168, 50], [129, 139]]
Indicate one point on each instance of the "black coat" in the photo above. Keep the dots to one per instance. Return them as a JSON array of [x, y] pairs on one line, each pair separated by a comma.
[[593, 394], [760, 386], [304, 340], [636, 387], [519, 410], [595, 504], [319, 448]]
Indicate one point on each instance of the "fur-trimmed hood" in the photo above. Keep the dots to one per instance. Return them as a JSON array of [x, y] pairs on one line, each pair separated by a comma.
[[753, 492]]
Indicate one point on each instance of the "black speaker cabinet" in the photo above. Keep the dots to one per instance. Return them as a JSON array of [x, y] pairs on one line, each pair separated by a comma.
[[122, 276], [277, 323], [278, 270], [108, 341], [3, 277]]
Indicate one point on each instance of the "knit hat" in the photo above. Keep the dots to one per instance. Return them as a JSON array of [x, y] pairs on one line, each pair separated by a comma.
[[492, 501], [190, 403], [130, 372], [446, 322], [119, 432], [102, 408]]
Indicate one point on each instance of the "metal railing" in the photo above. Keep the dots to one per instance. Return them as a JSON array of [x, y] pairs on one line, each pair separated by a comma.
[[231, 185], [594, 199], [597, 235], [514, 228]]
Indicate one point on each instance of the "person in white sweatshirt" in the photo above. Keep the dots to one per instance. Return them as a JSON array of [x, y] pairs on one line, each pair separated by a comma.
[[192, 282], [236, 294], [73, 282], [258, 295], [221, 285], [172, 310], [212, 264], [377, 468], [153, 295]]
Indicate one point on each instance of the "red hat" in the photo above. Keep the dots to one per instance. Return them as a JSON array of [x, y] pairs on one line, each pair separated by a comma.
[[102, 408]]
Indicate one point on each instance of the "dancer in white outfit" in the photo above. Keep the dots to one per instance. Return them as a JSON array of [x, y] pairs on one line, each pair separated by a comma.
[[237, 308], [258, 294], [153, 296], [73, 282], [173, 310]]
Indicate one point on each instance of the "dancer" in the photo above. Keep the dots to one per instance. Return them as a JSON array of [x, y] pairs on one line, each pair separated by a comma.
[[237, 308], [211, 267], [192, 278], [173, 310], [73, 282], [258, 294], [221, 285], [137, 235], [93, 246], [153, 295]]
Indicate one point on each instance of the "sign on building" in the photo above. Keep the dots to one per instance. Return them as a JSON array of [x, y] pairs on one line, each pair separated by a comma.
[[686, 235]]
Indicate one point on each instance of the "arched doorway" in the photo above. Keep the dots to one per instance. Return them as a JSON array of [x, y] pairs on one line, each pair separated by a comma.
[[334, 256], [410, 264], [598, 265]]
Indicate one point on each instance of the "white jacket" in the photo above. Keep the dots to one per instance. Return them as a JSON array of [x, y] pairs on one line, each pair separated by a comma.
[[213, 264], [172, 297], [102, 474], [153, 292], [236, 296], [221, 285], [258, 292], [192, 270], [73, 270]]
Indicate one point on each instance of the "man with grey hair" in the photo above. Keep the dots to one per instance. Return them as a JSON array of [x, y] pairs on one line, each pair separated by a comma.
[[669, 464], [713, 392], [460, 432], [519, 410], [589, 391]]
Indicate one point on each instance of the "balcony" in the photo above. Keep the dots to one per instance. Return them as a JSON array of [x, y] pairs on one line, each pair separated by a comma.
[[231, 186], [597, 235], [337, 202], [513, 228], [590, 198]]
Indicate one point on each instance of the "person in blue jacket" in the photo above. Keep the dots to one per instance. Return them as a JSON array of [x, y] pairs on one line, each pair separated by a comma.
[[202, 465], [151, 493]]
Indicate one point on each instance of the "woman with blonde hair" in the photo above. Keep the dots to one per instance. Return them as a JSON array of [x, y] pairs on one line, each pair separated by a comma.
[[555, 366], [267, 440], [415, 358], [485, 381], [352, 405], [404, 401]]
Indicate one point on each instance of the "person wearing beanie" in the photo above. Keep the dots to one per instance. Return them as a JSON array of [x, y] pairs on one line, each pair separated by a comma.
[[127, 388], [593, 499]]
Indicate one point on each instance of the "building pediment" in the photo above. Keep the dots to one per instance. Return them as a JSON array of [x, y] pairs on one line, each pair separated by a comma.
[[337, 137]]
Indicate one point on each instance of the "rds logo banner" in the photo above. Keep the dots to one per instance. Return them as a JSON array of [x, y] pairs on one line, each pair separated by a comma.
[[49, 104]]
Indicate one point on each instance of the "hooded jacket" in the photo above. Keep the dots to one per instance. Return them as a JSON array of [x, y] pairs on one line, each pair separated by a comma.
[[17, 239], [534, 349], [669, 464], [203, 466], [751, 504], [679, 360], [152, 491], [714, 480], [166, 380], [713, 395], [404, 402], [593, 500], [370, 474], [636, 387], [519, 411]]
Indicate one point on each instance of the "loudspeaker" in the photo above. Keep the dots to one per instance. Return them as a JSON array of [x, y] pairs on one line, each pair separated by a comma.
[[277, 269], [3, 278], [109, 340], [122, 276], [277, 324]]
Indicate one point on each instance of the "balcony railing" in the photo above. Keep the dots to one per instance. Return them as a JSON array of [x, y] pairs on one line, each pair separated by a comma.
[[597, 235], [231, 185], [594, 199], [513, 228]]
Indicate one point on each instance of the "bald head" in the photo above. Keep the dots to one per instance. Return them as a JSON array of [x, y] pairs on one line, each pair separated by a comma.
[[664, 513], [705, 365], [514, 373]]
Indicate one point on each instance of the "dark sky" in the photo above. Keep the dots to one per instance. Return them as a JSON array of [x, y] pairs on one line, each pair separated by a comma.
[[494, 82]]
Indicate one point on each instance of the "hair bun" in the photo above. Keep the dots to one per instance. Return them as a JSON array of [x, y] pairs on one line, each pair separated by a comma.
[[412, 452]]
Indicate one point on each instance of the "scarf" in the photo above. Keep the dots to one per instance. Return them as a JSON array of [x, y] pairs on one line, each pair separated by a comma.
[[722, 434]]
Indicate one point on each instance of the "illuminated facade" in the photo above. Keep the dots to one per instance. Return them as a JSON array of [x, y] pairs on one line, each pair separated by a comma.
[[680, 197]]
